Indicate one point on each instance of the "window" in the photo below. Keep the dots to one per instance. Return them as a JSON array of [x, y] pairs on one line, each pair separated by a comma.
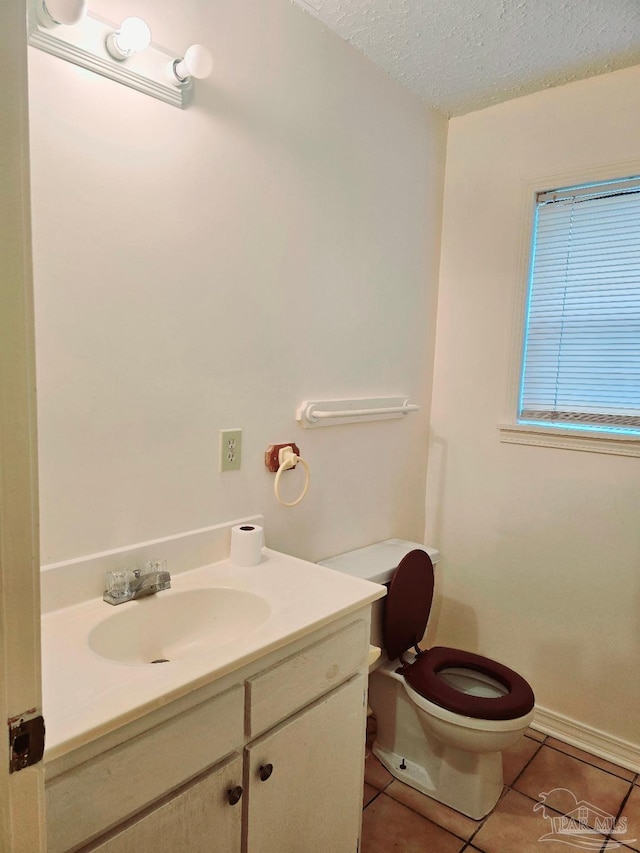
[[581, 357]]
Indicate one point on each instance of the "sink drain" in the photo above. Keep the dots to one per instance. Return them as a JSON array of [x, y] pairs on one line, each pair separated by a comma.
[[160, 660]]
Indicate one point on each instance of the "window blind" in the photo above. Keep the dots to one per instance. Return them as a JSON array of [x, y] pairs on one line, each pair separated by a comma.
[[581, 363]]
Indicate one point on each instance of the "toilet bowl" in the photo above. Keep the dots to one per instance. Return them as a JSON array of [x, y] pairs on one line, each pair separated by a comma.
[[444, 716]]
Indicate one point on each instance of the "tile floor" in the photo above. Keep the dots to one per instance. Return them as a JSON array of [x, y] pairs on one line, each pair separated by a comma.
[[398, 818]]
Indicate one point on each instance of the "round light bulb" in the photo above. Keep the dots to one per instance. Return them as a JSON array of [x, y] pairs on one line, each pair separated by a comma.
[[197, 62], [132, 35], [54, 12]]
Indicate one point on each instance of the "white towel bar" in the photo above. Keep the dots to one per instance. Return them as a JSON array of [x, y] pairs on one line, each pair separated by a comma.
[[332, 412]]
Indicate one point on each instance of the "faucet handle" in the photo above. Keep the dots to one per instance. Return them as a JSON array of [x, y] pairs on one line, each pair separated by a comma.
[[118, 584], [155, 566]]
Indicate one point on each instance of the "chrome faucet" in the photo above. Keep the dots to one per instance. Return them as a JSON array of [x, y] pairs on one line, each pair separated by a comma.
[[127, 586]]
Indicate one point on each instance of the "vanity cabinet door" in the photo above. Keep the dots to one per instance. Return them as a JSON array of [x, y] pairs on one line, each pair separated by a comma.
[[304, 778], [204, 817], [138, 773]]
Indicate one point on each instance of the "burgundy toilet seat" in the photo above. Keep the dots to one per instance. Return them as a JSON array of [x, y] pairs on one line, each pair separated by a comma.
[[407, 609], [423, 676]]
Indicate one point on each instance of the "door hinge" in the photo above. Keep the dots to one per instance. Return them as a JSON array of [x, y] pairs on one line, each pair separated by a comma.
[[26, 739]]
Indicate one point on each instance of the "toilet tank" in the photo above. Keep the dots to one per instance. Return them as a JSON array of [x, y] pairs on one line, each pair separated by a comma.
[[377, 563]]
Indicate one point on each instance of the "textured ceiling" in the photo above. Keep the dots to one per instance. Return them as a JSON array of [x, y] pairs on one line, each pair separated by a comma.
[[463, 55]]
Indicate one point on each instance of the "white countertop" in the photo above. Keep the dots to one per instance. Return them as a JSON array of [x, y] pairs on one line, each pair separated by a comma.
[[86, 696]]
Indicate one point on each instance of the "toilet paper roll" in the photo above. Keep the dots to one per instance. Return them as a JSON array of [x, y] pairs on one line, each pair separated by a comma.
[[246, 544]]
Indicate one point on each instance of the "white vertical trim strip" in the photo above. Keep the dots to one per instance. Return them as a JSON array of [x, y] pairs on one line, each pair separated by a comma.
[[22, 793]]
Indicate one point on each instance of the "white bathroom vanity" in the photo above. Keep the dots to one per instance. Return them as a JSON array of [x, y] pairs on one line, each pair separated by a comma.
[[254, 743]]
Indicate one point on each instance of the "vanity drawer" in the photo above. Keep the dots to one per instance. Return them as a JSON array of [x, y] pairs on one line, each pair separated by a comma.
[[101, 793], [295, 682], [189, 821]]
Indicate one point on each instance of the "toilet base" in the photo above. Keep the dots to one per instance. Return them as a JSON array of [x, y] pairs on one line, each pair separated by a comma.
[[472, 795], [470, 782], [406, 771]]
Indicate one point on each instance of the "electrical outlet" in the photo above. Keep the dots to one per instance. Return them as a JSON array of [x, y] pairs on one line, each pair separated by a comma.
[[230, 450]]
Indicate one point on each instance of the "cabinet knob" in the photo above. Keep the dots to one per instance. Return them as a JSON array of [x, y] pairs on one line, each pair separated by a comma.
[[265, 771], [234, 794]]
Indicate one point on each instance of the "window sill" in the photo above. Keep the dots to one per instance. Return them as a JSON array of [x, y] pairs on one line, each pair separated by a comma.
[[623, 445]]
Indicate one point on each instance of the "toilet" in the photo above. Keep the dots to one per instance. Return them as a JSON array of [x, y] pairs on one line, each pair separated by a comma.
[[444, 716]]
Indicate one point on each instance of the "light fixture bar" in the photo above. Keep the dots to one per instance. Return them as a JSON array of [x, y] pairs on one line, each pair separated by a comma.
[[84, 44]]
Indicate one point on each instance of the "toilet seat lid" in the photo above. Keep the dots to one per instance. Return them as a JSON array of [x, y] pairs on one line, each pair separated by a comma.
[[408, 603]]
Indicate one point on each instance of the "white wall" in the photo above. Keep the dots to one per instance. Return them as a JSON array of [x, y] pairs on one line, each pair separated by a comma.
[[213, 267], [542, 546]]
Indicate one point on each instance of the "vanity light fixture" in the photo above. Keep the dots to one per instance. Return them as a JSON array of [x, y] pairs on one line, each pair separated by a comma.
[[124, 53], [54, 13], [197, 62], [132, 36]]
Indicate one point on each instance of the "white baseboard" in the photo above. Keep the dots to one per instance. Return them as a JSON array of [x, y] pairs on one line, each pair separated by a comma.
[[604, 745]]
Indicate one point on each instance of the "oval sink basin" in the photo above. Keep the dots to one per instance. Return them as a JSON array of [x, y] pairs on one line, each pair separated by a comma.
[[172, 625]]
